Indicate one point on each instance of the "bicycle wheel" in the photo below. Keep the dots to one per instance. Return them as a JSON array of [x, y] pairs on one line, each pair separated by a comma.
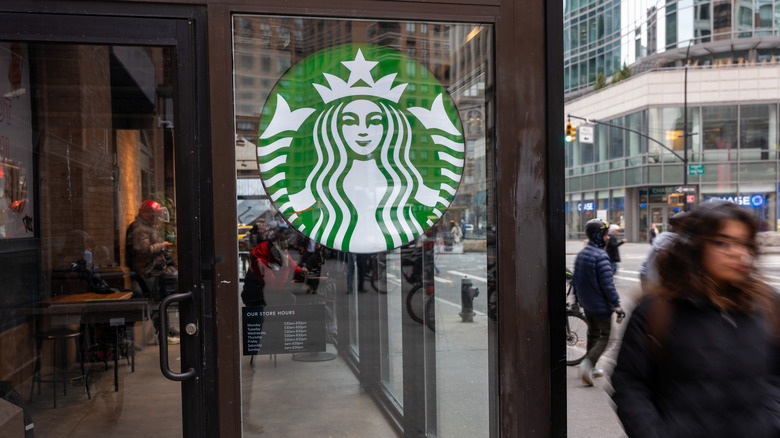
[[430, 313], [379, 275], [379, 285], [414, 304], [576, 338]]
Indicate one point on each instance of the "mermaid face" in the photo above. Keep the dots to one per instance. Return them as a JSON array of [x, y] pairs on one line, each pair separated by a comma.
[[362, 125]]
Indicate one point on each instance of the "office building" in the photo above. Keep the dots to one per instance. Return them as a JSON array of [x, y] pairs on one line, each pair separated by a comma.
[[717, 59]]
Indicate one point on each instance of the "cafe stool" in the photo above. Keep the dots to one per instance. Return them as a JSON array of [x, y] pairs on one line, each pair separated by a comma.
[[60, 338]]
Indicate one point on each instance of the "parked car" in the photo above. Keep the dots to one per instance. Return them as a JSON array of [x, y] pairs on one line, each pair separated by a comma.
[[469, 228]]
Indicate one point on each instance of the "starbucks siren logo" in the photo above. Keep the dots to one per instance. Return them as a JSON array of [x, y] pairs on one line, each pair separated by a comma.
[[364, 164]]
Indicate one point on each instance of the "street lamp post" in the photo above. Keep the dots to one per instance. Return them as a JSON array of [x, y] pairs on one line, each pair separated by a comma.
[[685, 126]]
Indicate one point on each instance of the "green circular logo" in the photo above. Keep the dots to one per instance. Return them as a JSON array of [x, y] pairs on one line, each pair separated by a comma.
[[360, 148]]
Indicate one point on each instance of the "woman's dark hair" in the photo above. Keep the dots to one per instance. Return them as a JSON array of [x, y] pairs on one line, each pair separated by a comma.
[[681, 266]]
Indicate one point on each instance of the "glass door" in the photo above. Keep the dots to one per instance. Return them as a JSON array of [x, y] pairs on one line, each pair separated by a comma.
[[99, 330], [659, 216]]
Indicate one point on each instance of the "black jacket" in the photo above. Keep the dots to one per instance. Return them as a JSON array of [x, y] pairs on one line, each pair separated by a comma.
[[716, 374], [593, 282], [612, 248]]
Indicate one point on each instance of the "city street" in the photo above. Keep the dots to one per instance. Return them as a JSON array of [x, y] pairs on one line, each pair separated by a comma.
[[590, 410]]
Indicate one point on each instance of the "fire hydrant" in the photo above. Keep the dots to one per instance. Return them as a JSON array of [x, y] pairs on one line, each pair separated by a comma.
[[467, 294]]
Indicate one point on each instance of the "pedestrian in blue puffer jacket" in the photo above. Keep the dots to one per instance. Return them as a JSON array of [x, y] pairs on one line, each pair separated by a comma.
[[597, 295]]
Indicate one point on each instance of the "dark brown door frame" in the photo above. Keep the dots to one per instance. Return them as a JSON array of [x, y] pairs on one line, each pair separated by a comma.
[[529, 175], [183, 28]]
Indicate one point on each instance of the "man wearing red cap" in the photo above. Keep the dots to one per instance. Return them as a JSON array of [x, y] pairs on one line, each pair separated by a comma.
[[146, 253]]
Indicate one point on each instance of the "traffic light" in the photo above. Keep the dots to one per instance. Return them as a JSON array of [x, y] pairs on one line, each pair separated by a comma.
[[573, 133], [569, 131], [676, 199]]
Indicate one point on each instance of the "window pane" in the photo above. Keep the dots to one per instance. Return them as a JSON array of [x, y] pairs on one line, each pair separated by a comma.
[[721, 19], [333, 112], [616, 140], [719, 132], [88, 235], [757, 131], [758, 172]]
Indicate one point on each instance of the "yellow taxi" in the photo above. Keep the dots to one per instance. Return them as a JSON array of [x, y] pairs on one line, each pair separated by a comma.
[[243, 238]]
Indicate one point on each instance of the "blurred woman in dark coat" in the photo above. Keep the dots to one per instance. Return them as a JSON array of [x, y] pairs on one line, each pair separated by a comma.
[[701, 354]]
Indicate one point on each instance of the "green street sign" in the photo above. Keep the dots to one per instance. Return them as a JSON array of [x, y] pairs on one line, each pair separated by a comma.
[[360, 148], [695, 169]]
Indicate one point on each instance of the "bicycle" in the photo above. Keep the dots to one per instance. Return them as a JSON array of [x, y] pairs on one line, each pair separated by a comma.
[[421, 308], [576, 325]]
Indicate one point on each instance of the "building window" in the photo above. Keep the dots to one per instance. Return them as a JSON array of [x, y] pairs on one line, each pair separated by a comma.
[[757, 131], [719, 132], [721, 19], [671, 29]]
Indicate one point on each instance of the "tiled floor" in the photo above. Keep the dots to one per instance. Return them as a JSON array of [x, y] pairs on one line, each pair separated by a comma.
[[288, 398]]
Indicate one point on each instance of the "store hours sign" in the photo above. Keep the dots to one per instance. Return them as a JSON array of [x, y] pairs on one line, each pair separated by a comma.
[[360, 148]]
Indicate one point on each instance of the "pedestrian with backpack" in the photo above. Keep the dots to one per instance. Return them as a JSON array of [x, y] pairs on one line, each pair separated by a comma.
[[597, 296], [700, 356]]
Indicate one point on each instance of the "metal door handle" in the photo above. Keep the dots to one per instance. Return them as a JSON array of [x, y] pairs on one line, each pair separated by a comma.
[[163, 338]]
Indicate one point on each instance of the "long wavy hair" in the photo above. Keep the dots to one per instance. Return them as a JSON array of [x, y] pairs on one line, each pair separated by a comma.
[[682, 272], [333, 163]]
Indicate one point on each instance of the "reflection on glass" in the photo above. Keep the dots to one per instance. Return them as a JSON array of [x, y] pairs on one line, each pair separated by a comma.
[[758, 131], [82, 157], [397, 346], [719, 132]]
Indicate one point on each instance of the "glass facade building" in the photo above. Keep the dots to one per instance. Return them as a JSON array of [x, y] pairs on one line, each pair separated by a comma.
[[218, 215], [601, 37], [716, 59]]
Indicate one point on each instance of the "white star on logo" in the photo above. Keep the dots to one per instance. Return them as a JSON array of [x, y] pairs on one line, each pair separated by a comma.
[[360, 69]]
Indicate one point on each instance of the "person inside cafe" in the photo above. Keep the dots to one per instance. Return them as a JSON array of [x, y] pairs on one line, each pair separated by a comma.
[[148, 255]]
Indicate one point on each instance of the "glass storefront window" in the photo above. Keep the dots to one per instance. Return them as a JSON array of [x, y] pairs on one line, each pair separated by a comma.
[[354, 128], [89, 241], [617, 208], [603, 200], [587, 207], [757, 198]]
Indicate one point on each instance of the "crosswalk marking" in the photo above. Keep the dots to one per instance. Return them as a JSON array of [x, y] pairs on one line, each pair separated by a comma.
[[471, 276]]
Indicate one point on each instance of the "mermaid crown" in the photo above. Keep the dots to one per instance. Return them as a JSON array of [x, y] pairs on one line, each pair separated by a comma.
[[360, 83]]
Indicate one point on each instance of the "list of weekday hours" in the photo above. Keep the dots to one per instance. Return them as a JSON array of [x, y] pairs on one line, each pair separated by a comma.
[[284, 329]]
